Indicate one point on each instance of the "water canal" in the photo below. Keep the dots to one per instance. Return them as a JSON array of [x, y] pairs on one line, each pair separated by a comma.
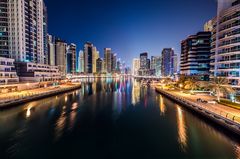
[[110, 118]]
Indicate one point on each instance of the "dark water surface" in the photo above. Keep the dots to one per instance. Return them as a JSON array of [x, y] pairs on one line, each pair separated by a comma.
[[112, 118]]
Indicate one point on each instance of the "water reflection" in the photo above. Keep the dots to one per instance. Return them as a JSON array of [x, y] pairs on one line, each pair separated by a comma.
[[66, 98], [28, 113], [182, 134], [135, 92], [73, 115], [162, 106], [237, 149], [107, 114], [60, 124]]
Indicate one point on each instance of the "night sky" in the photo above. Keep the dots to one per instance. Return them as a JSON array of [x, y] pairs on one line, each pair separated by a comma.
[[129, 27]]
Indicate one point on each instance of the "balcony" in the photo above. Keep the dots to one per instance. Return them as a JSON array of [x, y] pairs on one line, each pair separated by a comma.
[[225, 19], [229, 42], [237, 23]]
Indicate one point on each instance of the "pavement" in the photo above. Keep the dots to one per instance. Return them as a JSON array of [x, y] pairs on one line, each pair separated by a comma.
[[228, 112], [19, 94]]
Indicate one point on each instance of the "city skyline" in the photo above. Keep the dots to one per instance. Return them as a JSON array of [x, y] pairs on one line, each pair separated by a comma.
[[120, 79], [129, 29]]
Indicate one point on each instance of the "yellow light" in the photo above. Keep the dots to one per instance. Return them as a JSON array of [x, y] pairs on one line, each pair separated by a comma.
[[180, 85], [28, 114], [182, 133]]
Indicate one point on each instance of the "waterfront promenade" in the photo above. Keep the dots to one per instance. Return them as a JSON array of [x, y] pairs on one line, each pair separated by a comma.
[[226, 116], [19, 97]]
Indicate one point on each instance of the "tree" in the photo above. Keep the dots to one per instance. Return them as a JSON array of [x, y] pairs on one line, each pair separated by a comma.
[[219, 85], [191, 83]]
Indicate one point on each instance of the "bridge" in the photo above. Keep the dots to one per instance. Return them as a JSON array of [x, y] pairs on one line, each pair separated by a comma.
[[150, 77], [91, 76]]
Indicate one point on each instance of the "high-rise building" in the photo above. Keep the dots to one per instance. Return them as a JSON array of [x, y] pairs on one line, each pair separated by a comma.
[[123, 67], [45, 33], [4, 34], [167, 62], [225, 41], [175, 64], [71, 59], [114, 63], [158, 67], [27, 26], [144, 64], [144, 60], [195, 54], [153, 62], [108, 59], [81, 61], [88, 57], [118, 69], [148, 64], [100, 65], [95, 57], [155, 68], [51, 51], [61, 62], [135, 66]]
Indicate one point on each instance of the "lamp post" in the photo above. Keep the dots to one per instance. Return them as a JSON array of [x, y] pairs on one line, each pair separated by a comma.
[[181, 86]]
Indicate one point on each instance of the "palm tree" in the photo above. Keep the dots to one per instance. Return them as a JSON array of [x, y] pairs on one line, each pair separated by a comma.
[[191, 83], [219, 85]]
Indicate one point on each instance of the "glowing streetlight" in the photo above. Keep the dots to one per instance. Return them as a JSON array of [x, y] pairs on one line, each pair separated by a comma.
[[181, 86]]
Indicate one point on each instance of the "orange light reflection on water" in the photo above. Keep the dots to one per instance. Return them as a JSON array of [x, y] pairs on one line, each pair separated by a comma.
[[182, 133]]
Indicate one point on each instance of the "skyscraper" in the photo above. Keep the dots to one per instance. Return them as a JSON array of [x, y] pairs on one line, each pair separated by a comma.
[[95, 57], [4, 30], [51, 50], [143, 60], [195, 54], [167, 62], [108, 59], [155, 66], [118, 69], [148, 64], [158, 68], [153, 62], [135, 66], [175, 64], [113, 63], [71, 59], [45, 33], [61, 61], [225, 41], [100, 65], [88, 57], [27, 29], [81, 61], [144, 64]]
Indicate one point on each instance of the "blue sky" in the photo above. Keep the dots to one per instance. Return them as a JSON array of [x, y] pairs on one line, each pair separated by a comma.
[[129, 27]]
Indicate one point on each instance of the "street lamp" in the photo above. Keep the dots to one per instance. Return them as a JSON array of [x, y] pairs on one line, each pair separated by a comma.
[[181, 86]]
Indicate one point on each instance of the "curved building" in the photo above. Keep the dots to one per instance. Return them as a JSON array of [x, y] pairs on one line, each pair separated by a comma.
[[225, 53], [195, 54]]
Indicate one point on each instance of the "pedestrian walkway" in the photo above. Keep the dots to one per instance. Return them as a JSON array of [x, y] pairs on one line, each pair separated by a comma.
[[12, 96], [225, 111]]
